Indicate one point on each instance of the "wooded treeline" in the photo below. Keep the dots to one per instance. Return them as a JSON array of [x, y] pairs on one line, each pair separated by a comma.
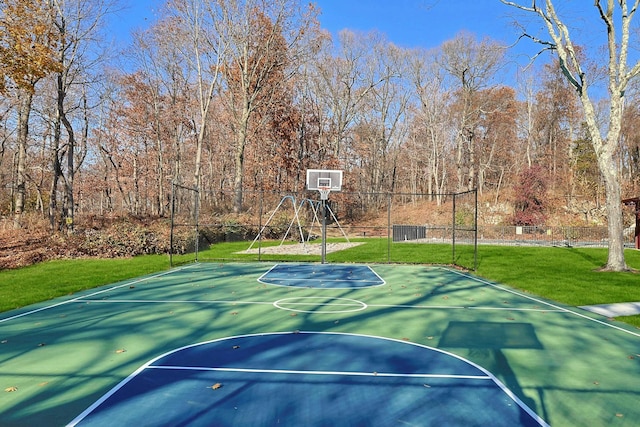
[[239, 96]]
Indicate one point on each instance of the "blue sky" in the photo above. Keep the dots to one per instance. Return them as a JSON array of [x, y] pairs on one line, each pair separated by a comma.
[[407, 23], [419, 23]]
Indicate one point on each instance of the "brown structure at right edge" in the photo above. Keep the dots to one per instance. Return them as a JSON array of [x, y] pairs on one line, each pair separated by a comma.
[[636, 203]]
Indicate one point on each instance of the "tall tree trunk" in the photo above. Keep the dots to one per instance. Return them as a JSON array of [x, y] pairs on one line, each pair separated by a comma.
[[159, 210], [57, 172], [68, 206], [615, 224], [471, 179], [26, 99], [605, 150], [197, 174], [459, 162], [53, 193], [241, 141]]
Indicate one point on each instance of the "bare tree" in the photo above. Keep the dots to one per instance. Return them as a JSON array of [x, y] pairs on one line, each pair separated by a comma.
[[165, 98], [431, 118], [340, 85], [77, 23], [616, 18], [202, 28], [472, 65], [266, 42], [27, 45], [381, 125]]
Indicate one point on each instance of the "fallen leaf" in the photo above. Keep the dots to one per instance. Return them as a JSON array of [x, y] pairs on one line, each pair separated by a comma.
[[11, 389]]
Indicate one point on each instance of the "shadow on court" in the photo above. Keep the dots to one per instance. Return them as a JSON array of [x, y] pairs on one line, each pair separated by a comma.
[[568, 366], [488, 340]]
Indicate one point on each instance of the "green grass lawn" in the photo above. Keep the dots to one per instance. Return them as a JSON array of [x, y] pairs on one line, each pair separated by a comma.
[[566, 275], [51, 279]]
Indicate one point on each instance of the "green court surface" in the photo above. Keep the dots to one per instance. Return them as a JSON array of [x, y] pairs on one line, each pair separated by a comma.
[[60, 359]]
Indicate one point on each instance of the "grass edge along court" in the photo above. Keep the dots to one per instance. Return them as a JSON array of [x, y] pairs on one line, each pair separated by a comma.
[[567, 373]]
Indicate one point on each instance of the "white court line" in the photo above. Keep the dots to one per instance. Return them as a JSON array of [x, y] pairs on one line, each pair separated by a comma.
[[332, 304], [306, 279], [535, 310], [341, 373], [355, 303], [557, 307], [80, 298], [467, 307], [156, 301]]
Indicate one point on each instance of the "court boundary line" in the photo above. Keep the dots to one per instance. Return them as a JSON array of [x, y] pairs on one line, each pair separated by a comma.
[[156, 301], [541, 301], [79, 298], [130, 377], [332, 373], [242, 302]]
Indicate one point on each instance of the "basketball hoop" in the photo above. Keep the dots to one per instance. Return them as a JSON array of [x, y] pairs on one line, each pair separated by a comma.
[[324, 181], [324, 192]]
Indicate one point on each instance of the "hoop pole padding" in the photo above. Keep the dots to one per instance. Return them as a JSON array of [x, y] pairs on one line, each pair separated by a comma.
[[324, 232], [173, 210]]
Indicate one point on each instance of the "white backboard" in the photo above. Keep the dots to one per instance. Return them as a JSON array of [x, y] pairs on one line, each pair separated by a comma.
[[320, 178]]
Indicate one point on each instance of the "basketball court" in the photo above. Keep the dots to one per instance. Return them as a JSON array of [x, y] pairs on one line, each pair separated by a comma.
[[314, 344]]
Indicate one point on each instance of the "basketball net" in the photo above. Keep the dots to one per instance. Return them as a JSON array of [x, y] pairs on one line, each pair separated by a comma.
[[324, 192]]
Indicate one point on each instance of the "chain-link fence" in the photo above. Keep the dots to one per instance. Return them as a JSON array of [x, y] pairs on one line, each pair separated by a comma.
[[549, 236], [277, 218], [272, 217]]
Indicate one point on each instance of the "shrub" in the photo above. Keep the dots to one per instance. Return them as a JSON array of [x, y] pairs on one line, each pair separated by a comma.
[[530, 197]]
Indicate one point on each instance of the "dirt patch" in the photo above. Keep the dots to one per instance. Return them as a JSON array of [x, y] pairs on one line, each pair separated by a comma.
[[302, 248]]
